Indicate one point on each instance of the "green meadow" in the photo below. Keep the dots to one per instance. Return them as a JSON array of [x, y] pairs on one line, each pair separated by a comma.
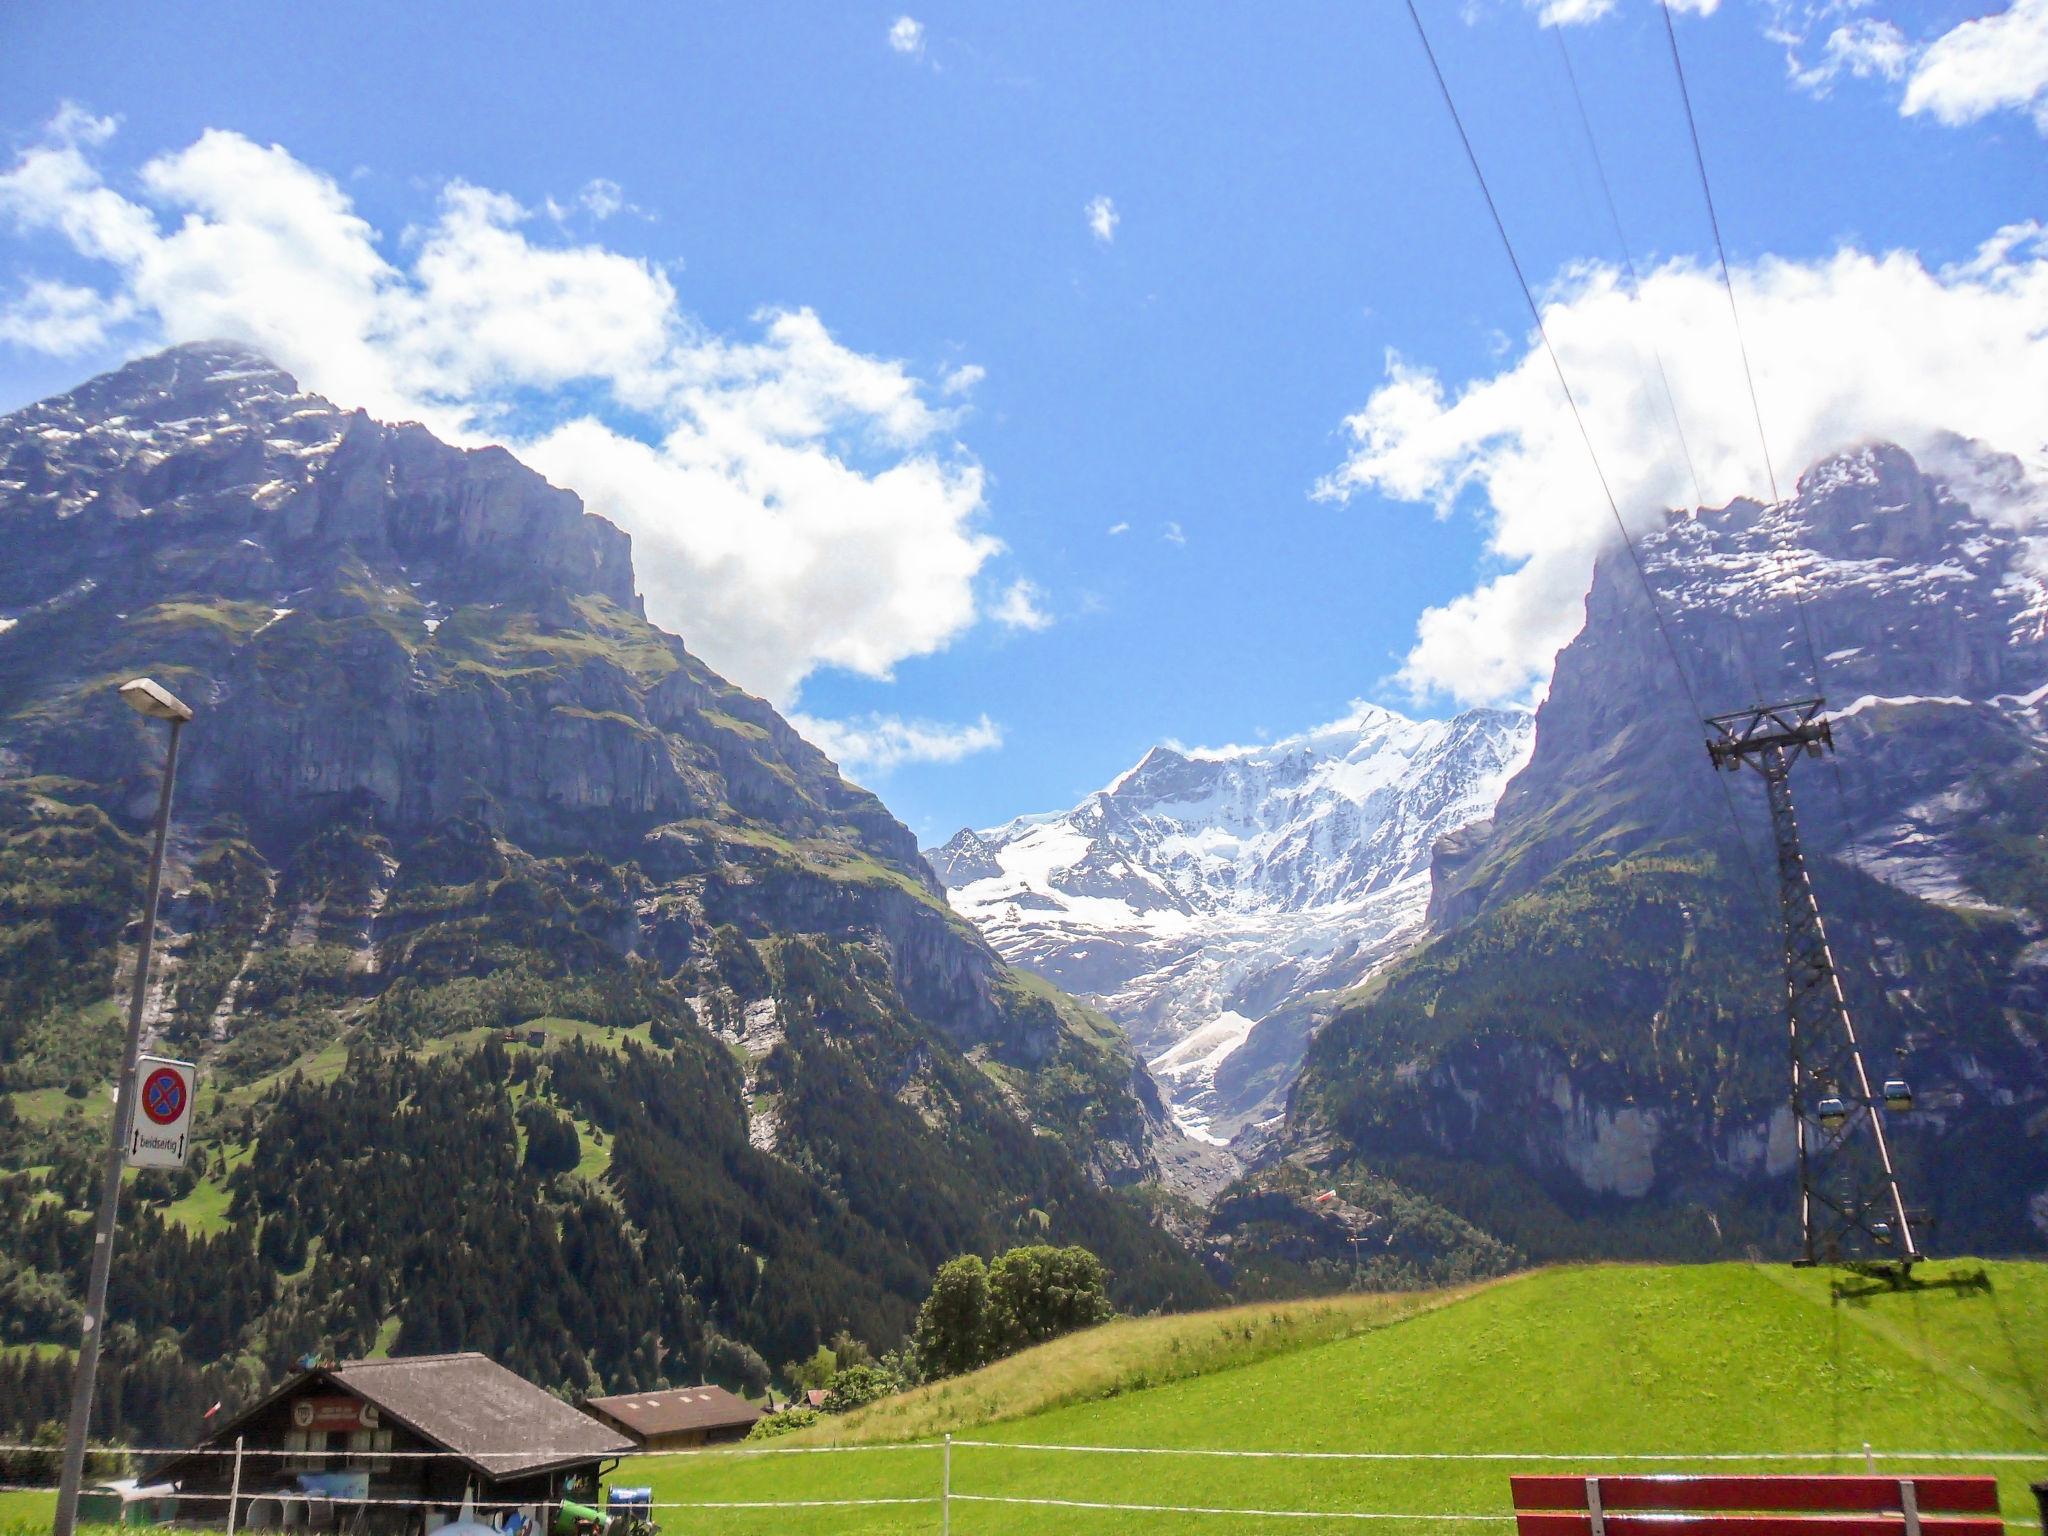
[[1565, 1363], [1539, 1372]]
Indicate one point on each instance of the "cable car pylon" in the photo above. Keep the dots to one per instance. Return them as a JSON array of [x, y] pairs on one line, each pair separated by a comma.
[[1851, 1210]]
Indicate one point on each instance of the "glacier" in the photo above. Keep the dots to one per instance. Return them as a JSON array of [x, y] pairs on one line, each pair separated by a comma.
[[1206, 890]]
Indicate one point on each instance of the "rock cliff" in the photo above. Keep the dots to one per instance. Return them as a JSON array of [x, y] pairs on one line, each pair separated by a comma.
[[445, 779], [1589, 1056]]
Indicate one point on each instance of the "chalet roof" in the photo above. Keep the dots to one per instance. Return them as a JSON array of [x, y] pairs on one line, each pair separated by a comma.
[[647, 1414], [494, 1419]]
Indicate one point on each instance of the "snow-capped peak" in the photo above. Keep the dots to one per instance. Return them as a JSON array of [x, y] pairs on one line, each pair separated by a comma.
[[1203, 875], [1309, 821]]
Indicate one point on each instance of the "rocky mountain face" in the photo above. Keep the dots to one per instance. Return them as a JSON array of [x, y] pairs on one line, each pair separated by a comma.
[[1206, 898], [446, 779], [1589, 1054]]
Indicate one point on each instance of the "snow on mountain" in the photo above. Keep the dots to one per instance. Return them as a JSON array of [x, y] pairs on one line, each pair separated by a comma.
[[1204, 888], [1912, 594]]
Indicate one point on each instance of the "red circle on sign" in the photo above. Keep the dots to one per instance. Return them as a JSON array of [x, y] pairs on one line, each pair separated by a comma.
[[163, 1095]]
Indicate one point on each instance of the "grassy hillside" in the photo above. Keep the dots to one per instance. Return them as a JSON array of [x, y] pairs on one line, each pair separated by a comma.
[[1615, 1360], [1560, 1364], [1128, 1355]]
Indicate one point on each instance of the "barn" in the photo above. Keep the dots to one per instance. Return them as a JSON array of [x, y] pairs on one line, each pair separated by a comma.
[[389, 1446], [677, 1419]]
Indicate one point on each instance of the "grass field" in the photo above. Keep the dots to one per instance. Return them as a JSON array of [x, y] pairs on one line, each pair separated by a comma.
[[1565, 1363], [1718, 1359]]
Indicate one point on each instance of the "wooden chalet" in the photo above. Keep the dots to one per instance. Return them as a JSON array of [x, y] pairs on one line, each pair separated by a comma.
[[676, 1419], [393, 1446]]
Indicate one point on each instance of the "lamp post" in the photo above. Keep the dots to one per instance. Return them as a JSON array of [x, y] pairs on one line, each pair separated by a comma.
[[158, 703]]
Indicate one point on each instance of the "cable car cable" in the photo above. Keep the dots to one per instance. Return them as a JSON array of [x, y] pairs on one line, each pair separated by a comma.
[[1635, 286], [1699, 161], [1852, 892], [1600, 473], [1756, 410], [1635, 291]]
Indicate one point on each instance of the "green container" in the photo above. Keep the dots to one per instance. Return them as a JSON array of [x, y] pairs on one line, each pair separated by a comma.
[[115, 1506], [567, 1515]]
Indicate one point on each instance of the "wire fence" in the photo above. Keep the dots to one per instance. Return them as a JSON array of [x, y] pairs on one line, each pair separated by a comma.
[[241, 1501], [252, 1453]]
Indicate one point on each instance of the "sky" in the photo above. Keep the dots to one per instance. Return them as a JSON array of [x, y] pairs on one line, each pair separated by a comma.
[[1001, 390]]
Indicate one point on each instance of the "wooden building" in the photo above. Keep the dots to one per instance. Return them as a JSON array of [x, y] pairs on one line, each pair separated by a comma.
[[677, 1419], [392, 1446]]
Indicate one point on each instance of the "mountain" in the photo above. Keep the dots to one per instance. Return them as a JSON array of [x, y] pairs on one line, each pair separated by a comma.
[[1589, 1055], [1206, 896], [446, 779]]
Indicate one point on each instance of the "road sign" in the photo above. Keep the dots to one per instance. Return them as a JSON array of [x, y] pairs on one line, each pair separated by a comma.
[[160, 1120]]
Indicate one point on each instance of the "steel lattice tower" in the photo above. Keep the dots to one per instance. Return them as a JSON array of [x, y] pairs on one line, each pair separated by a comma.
[[1850, 1206]]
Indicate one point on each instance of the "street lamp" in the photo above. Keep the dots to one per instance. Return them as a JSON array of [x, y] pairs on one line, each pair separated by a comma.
[[157, 702]]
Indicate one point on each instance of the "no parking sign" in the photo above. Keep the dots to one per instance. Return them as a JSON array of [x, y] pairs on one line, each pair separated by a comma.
[[160, 1121]]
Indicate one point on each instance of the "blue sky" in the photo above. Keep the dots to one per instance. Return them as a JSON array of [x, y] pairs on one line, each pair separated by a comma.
[[1290, 205]]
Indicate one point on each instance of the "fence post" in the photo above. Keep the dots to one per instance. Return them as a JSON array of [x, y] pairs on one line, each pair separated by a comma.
[[235, 1487], [945, 1490]]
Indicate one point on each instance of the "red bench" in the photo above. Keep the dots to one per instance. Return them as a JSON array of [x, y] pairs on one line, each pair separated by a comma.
[[1756, 1506]]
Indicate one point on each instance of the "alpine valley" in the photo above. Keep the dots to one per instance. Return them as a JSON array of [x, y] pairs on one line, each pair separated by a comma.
[[491, 908], [1451, 1034], [445, 780]]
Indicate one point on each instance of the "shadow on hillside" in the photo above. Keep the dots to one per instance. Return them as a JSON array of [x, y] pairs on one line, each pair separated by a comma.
[[1857, 1290], [1861, 1287]]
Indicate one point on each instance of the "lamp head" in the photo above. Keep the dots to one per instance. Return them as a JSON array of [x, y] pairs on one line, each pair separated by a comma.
[[148, 697]]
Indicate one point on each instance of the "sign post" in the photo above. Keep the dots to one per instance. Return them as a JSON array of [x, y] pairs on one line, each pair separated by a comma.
[[159, 1130], [151, 699]]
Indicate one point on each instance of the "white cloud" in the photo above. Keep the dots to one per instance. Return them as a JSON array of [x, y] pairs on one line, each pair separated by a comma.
[[906, 35], [1846, 347], [1117, 528], [73, 124], [60, 318], [1866, 48], [1022, 607], [963, 379], [1983, 66], [603, 197], [1569, 13], [1174, 534], [874, 744], [794, 504], [1102, 218]]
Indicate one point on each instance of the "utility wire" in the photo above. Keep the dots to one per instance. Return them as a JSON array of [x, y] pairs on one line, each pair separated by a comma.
[[1699, 160], [1614, 509], [1543, 331], [1635, 292], [1635, 287], [1796, 582]]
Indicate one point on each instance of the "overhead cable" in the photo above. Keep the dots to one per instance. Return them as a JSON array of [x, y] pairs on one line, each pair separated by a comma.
[[1578, 418]]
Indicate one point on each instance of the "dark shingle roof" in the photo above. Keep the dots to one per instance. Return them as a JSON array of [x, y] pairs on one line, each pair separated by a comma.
[[681, 1408], [495, 1419]]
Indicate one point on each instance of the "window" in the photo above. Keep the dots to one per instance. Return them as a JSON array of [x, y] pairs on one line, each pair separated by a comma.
[[364, 1448]]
